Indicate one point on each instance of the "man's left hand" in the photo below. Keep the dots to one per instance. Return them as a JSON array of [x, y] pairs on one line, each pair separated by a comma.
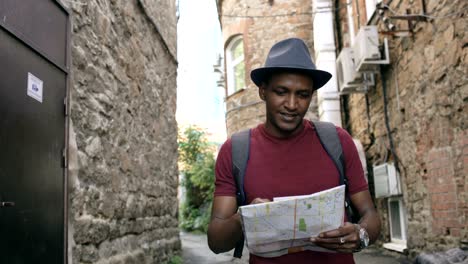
[[344, 239]]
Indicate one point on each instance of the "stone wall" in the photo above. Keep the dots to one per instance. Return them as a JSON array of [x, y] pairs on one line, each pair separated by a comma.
[[262, 24], [427, 93], [123, 145]]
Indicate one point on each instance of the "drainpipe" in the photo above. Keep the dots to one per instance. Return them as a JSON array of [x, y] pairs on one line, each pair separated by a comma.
[[328, 97], [325, 56]]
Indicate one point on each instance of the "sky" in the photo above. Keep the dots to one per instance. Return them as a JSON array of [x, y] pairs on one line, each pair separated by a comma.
[[199, 42]]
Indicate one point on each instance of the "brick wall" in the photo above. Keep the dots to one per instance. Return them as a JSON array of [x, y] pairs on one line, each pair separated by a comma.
[[427, 88], [448, 191]]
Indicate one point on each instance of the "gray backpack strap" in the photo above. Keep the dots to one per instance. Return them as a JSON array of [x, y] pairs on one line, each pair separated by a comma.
[[328, 136], [331, 143], [240, 142], [240, 155]]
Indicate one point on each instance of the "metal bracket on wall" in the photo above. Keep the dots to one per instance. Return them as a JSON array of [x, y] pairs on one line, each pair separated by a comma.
[[372, 65], [411, 19], [368, 81]]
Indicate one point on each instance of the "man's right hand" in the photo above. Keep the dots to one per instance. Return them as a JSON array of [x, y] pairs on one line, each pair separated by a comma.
[[225, 226], [259, 200]]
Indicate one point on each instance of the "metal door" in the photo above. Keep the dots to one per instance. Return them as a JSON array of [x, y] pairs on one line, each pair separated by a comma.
[[34, 47]]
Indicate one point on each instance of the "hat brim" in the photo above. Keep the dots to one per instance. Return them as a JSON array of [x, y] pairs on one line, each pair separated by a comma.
[[319, 77]]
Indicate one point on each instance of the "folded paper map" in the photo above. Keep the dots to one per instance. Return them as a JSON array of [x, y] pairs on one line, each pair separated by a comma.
[[285, 225]]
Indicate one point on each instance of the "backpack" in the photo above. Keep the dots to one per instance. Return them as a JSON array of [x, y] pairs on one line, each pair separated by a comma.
[[330, 141]]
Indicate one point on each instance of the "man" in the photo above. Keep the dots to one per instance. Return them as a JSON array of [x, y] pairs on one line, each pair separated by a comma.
[[286, 158]]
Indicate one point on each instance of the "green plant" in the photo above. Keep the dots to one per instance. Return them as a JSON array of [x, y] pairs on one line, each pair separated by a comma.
[[176, 259], [197, 166]]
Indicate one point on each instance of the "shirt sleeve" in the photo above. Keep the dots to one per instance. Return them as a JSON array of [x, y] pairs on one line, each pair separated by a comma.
[[353, 166], [224, 182]]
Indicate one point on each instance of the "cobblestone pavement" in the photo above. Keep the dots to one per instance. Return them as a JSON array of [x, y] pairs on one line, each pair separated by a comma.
[[195, 251]]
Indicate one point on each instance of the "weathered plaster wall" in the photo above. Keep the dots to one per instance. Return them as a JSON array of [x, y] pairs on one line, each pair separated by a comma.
[[124, 167]]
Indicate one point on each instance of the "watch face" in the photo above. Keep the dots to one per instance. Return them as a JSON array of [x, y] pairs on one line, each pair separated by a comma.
[[364, 237]]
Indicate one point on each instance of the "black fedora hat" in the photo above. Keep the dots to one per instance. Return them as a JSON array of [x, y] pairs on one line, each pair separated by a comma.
[[290, 55]]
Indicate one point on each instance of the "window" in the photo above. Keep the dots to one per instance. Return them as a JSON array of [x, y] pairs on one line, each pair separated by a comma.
[[397, 222], [370, 7], [235, 65]]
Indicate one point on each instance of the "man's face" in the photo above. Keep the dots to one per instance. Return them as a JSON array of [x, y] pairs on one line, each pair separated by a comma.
[[287, 97]]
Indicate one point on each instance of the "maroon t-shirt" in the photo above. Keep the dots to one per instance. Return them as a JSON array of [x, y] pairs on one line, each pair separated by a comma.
[[298, 165]]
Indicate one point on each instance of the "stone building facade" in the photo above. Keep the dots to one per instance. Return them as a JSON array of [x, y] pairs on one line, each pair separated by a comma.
[[123, 145], [422, 93], [260, 24]]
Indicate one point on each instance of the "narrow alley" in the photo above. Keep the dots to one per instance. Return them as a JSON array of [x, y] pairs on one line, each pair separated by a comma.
[[117, 119]]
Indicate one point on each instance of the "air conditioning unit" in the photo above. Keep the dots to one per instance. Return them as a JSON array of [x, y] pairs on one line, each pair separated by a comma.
[[386, 181], [348, 78], [366, 50]]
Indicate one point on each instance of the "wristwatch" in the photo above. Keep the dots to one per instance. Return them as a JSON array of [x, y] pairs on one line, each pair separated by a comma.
[[363, 237]]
